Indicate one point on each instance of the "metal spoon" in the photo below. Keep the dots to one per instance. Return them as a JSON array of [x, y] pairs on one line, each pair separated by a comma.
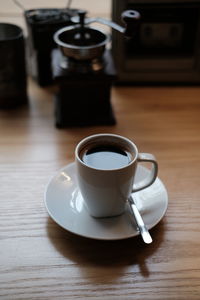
[[140, 223]]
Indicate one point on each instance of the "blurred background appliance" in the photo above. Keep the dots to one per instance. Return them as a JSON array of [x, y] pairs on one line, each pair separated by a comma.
[[166, 48], [42, 23]]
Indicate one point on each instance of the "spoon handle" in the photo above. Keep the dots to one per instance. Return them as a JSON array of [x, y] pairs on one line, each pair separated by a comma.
[[140, 223]]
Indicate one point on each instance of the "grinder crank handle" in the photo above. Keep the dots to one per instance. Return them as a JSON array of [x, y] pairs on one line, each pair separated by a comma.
[[131, 19]]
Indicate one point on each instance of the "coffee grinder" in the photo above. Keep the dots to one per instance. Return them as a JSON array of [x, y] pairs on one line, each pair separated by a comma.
[[84, 70]]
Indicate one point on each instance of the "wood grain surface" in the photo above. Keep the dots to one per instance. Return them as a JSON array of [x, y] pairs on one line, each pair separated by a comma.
[[39, 259]]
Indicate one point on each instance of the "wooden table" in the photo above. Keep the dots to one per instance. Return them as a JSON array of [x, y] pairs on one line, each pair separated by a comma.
[[40, 260]]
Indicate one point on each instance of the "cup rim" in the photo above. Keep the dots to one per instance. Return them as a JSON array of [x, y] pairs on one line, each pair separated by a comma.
[[88, 138]]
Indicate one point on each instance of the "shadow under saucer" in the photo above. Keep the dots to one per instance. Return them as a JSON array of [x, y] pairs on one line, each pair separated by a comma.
[[96, 253]]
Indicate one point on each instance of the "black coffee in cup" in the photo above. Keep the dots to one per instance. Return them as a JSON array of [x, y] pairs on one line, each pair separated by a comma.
[[106, 156]]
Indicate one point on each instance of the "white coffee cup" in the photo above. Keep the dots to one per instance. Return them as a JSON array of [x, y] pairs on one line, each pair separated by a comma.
[[106, 166]]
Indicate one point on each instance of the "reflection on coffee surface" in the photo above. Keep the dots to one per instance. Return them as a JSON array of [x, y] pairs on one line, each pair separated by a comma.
[[106, 157]]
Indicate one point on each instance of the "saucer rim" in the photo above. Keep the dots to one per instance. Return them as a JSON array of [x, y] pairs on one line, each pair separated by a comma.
[[126, 236]]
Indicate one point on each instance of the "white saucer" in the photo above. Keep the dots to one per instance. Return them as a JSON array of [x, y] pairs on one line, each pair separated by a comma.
[[65, 205]]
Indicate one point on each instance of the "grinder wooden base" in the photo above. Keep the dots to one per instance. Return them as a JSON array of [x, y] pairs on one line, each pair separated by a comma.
[[83, 99]]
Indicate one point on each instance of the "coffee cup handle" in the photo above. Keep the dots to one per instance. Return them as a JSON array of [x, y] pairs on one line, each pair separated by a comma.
[[147, 181]]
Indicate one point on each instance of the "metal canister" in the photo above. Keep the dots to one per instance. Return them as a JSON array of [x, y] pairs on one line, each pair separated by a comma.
[[13, 80]]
